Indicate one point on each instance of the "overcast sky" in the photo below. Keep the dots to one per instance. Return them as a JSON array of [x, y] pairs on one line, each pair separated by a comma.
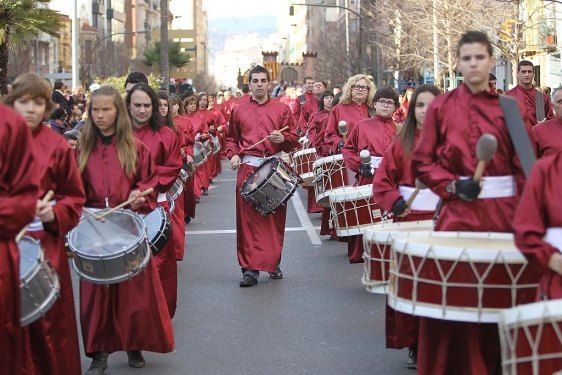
[[243, 8]]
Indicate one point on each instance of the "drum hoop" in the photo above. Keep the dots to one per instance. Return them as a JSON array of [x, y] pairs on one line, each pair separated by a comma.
[[305, 151], [51, 298], [350, 193], [328, 159], [531, 313]]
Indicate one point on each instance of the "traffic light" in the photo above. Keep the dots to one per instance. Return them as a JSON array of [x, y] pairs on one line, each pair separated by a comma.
[[291, 10]]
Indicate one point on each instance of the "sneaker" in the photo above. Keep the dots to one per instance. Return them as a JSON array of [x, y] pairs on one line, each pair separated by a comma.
[[136, 359], [277, 274], [412, 358], [99, 363], [205, 191], [187, 220], [248, 280]]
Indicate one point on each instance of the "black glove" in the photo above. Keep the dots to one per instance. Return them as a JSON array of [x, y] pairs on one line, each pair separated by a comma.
[[467, 190], [399, 207], [365, 170], [340, 146]]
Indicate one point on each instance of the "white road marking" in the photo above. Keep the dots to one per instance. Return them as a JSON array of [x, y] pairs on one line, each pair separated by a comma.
[[305, 220], [232, 231], [225, 180]]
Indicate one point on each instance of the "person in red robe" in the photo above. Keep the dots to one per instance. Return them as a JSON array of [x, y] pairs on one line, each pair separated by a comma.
[[525, 93], [164, 146], [374, 135], [201, 131], [259, 238], [222, 127], [203, 110], [548, 134], [446, 152], [393, 180], [19, 188], [401, 113], [129, 316], [54, 337], [353, 107], [245, 96], [311, 105]]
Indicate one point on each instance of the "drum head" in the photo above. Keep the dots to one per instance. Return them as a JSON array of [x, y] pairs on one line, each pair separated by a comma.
[[115, 234], [260, 175], [30, 255], [154, 222]]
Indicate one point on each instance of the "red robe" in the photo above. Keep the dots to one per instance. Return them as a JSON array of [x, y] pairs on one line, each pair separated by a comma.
[[245, 98], [130, 315], [19, 188], [220, 120], [177, 219], [309, 107], [375, 135], [54, 337], [351, 113], [226, 108], [400, 114], [295, 107], [259, 238], [548, 136], [540, 209], [526, 97], [184, 124], [200, 127], [396, 170], [446, 151], [164, 146]]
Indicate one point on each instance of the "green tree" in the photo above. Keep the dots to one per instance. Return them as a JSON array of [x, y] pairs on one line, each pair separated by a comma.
[[20, 22], [176, 57], [119, 82]]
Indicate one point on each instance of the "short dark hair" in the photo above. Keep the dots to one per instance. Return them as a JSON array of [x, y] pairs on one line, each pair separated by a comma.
[[324, 94], [307, 79], [155, 121], [492, 77], [387, 92], [136, 77], [58, 85], [257, 69], [246, 88], [524, 63], [58, 114], [475, 36], [322, 82], [73, 135]]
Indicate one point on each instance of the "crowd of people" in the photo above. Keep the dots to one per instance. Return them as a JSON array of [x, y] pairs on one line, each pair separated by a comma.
[[100, 152]]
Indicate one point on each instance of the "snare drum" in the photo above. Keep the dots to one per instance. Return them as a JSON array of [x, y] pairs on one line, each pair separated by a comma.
[[459, 276], [272, 184], [207, 149], [531, 338], [176, 189], [329, 174], [158, 229], [39, 283], [303, 161], [377, 241], [354, 209], [199, 156], [216, 145], [189, 169], [111, 250]]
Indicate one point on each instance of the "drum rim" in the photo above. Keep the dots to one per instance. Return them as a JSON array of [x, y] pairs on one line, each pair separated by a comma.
[[304, 151], [266, 161], [53, 296], [373, 233], [529, 312], [352, 193], [332, 159]]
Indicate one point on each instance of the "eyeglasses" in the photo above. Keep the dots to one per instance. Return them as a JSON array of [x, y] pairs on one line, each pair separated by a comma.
[[386, 103], [360, 88]]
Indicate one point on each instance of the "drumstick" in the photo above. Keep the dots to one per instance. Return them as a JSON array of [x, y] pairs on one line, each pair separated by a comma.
[[485, 150], [263, 140], [419, 186], [45, 199], [128, 201]]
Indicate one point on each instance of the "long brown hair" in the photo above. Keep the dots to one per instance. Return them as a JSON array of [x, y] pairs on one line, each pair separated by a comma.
[[124, 137], [168, 120], [408, 132]]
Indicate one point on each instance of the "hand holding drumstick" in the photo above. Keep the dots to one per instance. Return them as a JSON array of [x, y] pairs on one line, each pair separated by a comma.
[[134, 198], [275, 136], [40, 208]]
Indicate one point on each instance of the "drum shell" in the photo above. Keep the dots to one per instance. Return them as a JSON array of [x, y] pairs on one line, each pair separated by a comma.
[[460, 284], [39, 287], [531, 338], [199, 156], [158, 228], [216, 145], [176, 189], [329, 174], [303, 162], [207, 149], [355, 209]]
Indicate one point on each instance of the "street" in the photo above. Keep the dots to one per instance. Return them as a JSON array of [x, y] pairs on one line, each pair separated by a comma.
[[317, 320]]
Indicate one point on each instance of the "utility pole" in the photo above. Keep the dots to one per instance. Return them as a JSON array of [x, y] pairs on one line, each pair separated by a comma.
[[164, 59], [75, 31]]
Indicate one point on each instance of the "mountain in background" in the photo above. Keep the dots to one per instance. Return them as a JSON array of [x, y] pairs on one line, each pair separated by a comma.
[[220, 28]]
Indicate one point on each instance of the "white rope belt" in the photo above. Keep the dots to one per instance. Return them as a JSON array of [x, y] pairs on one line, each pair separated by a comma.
[[554, 237], [497, 187]]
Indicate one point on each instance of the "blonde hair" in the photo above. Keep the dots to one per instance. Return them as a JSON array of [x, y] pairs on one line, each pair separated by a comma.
[[34, 86], [124, 137], [346, 91]]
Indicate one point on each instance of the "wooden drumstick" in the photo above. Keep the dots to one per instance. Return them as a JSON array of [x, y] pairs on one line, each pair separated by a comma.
[[263, 140], [485, 150], [127, 202], [342, 127], [45, 199], [419, 186]]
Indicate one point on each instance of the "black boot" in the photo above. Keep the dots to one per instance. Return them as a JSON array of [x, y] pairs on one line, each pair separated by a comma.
[[99, 363], [136, 359]]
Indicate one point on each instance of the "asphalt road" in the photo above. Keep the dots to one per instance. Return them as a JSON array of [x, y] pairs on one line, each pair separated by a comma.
[[317, 320]]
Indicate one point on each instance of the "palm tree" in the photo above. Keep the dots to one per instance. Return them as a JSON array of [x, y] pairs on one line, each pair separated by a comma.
[[20, 22]]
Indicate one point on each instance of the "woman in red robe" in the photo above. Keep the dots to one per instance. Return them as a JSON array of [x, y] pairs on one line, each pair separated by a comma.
[[201, 131], [164, 146], [129, 316], [374, 135], [393, 179], [220, 130], [19, 188], [54, 337], [211, 124]]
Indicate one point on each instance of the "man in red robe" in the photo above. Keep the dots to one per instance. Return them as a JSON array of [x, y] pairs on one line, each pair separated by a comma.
[[374, 135], [245, 97], [445, 160], [311, 105], [19, 188], [526, 93], [164, 145], [548, 134], [259, 238]]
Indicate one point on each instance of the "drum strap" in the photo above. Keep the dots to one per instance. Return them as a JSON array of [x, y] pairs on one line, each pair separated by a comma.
[[518, 133], [539, 106]]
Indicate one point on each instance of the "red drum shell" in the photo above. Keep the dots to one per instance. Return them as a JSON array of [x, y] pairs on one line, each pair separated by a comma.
[[329, 173], [354, 209]]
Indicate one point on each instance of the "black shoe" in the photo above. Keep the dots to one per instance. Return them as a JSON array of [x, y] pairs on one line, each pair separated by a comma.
[[205, 191], [99, 364], [412, 358], [248, 280], [136, 359], [187, 220], [277, 274]]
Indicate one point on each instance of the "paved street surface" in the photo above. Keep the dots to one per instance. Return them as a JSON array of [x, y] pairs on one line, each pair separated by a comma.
[[318, 320]]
